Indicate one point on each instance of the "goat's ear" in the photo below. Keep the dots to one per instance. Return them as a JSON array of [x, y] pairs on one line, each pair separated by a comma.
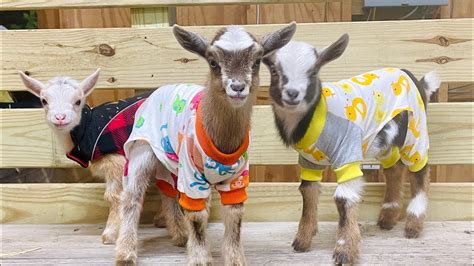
[[190, 41], [277, 39], [34, 86], [333, 51], [88, 84]]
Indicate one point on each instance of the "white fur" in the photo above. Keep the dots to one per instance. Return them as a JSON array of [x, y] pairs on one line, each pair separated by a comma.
[[432, 81], [61, 94], [375, 149], [234, 39], [296, 59], [391, 205], [341, 242], [418, 204], [351, 191]]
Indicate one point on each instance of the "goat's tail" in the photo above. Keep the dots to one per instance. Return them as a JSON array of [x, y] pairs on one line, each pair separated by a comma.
[[431, 83]]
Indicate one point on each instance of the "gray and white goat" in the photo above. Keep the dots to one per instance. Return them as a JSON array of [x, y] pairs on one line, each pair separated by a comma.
[[303, 110]]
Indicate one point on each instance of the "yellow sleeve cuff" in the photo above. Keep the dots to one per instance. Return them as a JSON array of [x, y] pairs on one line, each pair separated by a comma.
[[311, 174], [418, 166], [391, 159], [348, 172]]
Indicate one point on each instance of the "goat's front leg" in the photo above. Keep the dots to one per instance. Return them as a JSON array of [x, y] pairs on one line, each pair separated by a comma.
[[392, 203], [347, 197], [232, 249], [142, 165], [197, 245], [416, 210], [308, 226]]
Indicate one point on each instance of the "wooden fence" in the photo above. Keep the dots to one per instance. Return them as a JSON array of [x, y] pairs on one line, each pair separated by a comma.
[[141, 58]]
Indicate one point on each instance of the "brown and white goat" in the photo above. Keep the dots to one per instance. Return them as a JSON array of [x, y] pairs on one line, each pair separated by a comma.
[[307, 109], [234, 57], [63, 100]]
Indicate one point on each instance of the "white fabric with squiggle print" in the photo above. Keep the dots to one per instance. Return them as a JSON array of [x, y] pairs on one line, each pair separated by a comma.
[[167, 121]]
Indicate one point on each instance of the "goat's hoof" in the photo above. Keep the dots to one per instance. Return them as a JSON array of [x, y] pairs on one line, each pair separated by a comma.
[[180, 241], [413, 226], [125, 263], [386, 224], [109, 238], [125, 258], [301, 245], [159, 221], [411, 233], [388, 218], [343, 254], [200, 262]]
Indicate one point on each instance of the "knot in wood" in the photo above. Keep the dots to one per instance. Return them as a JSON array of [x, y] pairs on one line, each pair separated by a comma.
[[106, 50], [184, 60], [112, 79], [443, 41], [443, 60]]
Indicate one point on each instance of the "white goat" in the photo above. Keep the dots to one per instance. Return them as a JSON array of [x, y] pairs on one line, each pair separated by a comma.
[[378, 114], [84, 135], [193, 138]]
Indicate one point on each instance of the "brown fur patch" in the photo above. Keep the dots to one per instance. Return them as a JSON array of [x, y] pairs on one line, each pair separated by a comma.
[[419, 182], [308, 225], [388, 217], [348, 234]]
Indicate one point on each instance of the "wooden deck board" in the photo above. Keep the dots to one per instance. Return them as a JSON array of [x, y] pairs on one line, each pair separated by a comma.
[[443, 243]]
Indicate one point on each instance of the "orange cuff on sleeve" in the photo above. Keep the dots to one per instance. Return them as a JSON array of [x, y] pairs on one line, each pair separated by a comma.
[[191, 204], [166, 188], [233, 197]]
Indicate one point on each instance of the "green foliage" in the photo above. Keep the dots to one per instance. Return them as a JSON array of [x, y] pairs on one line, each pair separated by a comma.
[[30, 21]]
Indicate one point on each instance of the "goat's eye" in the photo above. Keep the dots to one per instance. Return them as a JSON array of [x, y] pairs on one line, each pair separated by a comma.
[[213, 64], [256, 64], [44, 102], [274, 72], [77, 103]]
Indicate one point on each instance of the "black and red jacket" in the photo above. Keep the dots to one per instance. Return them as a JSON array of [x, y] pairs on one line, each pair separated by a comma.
[[104, 129]]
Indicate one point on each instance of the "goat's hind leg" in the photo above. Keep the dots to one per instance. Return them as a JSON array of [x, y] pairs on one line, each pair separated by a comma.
[[142, 166], [392, 203], [308, 225], [416, 210], [111, 167], [174, 219]]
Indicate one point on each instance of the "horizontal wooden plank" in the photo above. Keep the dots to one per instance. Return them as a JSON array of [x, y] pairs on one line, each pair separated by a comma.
[[83, 203], [442, 243], [26, 141], [149, 58], [59, 4]]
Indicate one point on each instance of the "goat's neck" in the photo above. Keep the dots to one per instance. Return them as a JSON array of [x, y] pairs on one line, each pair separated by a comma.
[[64, 139], [225, 125], [292, 126]]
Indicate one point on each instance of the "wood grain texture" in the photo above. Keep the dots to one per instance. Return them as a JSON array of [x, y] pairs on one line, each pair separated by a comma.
[[442, 243], [148, 58], [216, 15], [153, 17], [83, 203], [89, 18], [60, 4], [28, 142]]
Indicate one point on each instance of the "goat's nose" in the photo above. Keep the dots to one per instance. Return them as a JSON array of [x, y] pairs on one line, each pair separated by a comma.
[[292, 94], [238, 87], [60, 117]]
